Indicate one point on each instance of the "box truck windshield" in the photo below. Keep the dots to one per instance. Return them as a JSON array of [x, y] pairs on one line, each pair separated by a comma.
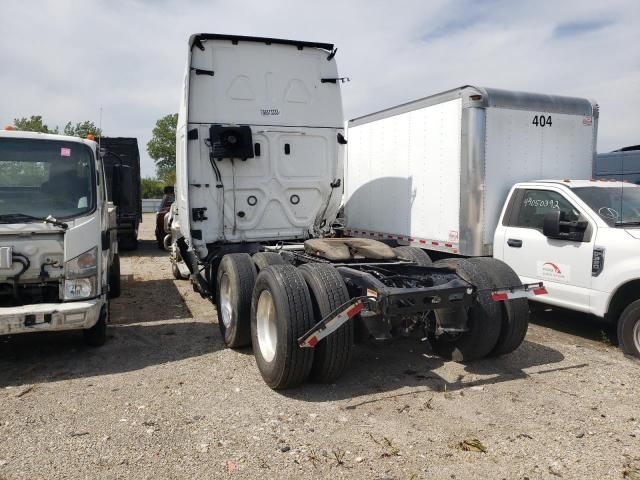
[[39, 179]]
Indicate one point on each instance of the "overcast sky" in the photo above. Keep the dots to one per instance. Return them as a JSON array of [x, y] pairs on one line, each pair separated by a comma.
[[65, 59]]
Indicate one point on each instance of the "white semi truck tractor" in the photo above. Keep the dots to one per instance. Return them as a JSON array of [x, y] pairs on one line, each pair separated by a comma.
[[260, 146], [59, 261]]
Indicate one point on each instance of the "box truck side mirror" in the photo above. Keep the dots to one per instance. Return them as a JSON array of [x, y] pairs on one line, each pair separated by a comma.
[[121, 176]]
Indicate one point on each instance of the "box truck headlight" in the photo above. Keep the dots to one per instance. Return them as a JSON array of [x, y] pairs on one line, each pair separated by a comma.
[[81, 275]]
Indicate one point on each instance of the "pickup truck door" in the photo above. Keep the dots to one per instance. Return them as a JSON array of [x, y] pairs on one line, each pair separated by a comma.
[[563, 265]]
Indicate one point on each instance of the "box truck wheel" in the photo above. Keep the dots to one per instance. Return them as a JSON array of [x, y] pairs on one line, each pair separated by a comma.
[[235, 280], [114, 277], [483, 318], [414, 254], [328, 292], [515, 313], [263, 260], [96, 336], [128, 242], [281, 312], [629, 329]]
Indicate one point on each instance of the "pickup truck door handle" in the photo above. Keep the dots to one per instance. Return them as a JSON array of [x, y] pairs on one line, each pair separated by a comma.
[[514, 242]]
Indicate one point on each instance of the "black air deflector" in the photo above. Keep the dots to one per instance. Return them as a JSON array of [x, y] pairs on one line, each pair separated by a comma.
[[231, 142], [197, 41]]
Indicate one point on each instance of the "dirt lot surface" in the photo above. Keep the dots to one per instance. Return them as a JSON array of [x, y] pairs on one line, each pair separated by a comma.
[[165, 399]]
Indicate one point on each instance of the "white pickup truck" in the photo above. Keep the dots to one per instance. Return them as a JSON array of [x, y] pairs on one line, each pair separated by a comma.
[[435, 173], [581, 238]]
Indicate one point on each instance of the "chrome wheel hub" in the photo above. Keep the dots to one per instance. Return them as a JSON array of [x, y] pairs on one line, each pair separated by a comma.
[[226, 307], [636, 335], [267, 331]]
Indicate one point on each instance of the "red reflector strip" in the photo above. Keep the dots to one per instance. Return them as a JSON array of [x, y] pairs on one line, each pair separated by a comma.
[[312, 342], [356, 309], [498, 297], [540, 291]]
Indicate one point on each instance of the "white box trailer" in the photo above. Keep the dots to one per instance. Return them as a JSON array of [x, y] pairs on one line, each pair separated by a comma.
[[434, 173]]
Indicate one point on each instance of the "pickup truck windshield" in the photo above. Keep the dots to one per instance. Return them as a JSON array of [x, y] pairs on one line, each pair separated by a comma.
[[616, 205], [39, 178]]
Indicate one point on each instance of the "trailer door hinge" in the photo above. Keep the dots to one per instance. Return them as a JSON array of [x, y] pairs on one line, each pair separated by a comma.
[[335, 80], [198, 214], [200, 71]]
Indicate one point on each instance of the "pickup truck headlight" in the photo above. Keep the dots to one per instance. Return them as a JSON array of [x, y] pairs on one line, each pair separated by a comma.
[[81, 276]]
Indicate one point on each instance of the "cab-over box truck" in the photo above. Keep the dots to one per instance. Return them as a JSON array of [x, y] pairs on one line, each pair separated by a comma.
[[260, 145], [456, 175], [59, 261]]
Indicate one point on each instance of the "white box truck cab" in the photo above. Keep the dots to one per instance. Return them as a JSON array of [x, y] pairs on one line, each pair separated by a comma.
[[439, 173], [58, 251], [260, 145]]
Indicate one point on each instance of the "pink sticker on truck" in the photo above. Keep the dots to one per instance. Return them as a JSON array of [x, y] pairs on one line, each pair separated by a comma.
[[65, 152]]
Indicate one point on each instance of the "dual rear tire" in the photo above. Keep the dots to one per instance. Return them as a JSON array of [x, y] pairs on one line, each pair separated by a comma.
[[273, 309], [494, 328]]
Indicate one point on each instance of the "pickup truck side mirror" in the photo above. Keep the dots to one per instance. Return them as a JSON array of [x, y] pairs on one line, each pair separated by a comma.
[[553, 227]]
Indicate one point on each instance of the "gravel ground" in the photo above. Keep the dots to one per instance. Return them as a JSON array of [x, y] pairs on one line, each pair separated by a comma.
[[165, 399]]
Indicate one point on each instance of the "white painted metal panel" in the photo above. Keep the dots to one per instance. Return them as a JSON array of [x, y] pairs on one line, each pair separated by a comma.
[[403, 173], [255, 83], [276, 89], [518, 150]]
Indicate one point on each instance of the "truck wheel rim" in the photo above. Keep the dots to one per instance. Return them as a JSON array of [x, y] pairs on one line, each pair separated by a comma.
[[225, 300], [266, 326], [636, 335]]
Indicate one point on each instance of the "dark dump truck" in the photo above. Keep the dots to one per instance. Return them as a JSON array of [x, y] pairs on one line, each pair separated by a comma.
[[122, 158]]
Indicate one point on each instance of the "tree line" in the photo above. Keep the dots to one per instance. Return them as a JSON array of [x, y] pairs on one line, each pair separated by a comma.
[[161, 148]]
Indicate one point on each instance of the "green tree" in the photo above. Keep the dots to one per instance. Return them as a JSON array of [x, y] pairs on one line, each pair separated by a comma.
[[162, 146], [151, 188], [33, 124], [82, 129]]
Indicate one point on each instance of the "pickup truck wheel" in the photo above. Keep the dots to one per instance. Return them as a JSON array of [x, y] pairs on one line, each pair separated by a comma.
[[515, 313], [629, 329], [235, 280], [328, 292], [414, 254], [114, 277], [483, 319], [281, 312], [96, 336], [263, 260]]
